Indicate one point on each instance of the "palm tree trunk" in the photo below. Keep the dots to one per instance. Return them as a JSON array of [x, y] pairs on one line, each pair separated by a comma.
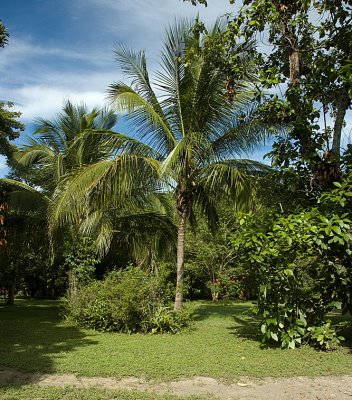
[[180, 261]]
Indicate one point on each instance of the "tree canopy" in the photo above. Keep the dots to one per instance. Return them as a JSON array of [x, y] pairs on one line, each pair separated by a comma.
[[309, 62], [10, 127]]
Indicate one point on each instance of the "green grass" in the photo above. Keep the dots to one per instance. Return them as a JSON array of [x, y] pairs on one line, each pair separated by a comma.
[[51, 393], [223, 344]]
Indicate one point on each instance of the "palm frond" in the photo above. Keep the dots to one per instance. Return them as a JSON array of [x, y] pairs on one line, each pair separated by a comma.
[[23, 198], [147, 121], [233, 178]]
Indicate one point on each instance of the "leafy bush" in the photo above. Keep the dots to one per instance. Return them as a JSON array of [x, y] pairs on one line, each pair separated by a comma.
[[302, 266], [325, 336], [164, 320], [126, 301], [80, 260], [286, 326], [209, 268]]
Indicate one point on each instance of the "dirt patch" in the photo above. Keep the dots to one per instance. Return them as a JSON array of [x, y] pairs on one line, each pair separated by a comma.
[[321, 388]]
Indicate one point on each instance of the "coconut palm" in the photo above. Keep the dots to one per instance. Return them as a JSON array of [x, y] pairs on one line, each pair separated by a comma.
[[69, 146], [198, 134], [189, 140], [52, 153]]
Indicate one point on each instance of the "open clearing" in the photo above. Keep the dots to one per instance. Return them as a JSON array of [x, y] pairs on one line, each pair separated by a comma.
[[44, 358]]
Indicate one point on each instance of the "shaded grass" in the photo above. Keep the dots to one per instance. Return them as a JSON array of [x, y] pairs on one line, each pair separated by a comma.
[[224, 344]]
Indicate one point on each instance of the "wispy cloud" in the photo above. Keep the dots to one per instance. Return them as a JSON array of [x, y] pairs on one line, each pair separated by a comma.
[[39, 72], [44, 101], [142, 24]]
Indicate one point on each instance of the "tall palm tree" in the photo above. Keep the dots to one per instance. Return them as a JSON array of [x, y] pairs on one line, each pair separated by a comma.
[[189, 140], [198, 134]]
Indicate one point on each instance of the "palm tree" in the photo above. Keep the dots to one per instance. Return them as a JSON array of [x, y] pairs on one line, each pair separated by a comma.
[[189, 141], [74, 142], [53, 152], [198, 134]]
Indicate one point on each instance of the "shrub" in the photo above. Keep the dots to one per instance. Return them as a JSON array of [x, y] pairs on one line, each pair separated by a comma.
[[80, 260], [325, 336], [126, 301], [302, 266]]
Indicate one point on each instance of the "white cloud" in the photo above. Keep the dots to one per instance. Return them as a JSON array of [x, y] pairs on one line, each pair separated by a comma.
[[44, 101], [142, 23], [43, 93], [39, 76]]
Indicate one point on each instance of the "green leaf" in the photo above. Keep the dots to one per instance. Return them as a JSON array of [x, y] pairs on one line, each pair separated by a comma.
[[274, 336]]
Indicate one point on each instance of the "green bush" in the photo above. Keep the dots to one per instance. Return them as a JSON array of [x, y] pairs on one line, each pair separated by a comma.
[[126, 301], [301, 264], [325, 336]]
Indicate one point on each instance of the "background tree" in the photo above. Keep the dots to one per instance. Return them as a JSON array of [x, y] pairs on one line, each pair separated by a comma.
[[26, 251], [60, 149], [10, 127], [310, 60], [52, 153]]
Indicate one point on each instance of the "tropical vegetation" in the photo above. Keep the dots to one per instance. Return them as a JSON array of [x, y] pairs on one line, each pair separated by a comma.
[[125, 226]]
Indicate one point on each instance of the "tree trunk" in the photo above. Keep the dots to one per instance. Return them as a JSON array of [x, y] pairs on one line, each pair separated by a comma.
[[342, 106], [180, 261], [294, 67], [10, 295], [183, 206]]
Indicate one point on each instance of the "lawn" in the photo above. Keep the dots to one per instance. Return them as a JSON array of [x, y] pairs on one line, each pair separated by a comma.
[[222, 344], [52, 393]]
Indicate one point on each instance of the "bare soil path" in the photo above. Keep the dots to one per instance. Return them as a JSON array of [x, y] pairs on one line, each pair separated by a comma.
[[305, 388]]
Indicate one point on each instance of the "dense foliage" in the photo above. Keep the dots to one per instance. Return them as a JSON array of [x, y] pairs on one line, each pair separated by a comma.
[[107, 216], [301, 263], [302, 73], [126, 301], [10, 127]]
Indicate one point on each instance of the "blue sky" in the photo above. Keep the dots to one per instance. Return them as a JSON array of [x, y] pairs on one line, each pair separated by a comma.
[[61, 50]]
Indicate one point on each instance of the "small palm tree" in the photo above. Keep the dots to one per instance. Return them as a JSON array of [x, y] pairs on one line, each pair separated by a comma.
[[67, 146], [53, 152], [189, 140]]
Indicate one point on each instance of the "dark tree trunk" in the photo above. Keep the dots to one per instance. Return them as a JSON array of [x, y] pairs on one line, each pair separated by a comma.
[[294, 67], [10, 295]]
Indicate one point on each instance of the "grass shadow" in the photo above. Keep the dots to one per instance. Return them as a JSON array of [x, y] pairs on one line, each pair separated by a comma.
[[247, 327], [344, 323], [245, 324], [220, 309], [31, 337]]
